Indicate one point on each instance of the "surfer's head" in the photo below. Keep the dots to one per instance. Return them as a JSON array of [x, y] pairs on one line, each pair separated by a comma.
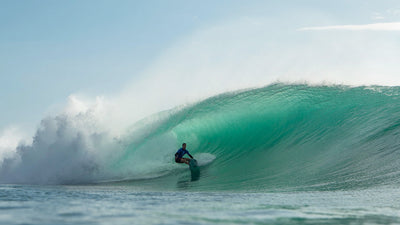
[[184, 145]]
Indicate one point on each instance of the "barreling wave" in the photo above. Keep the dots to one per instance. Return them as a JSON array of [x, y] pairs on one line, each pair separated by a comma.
[[277, 137]]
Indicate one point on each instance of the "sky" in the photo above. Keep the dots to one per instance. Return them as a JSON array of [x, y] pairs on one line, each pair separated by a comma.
[[52, 50]]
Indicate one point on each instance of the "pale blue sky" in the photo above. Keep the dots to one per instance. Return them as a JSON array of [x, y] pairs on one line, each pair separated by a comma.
[[51, 49]]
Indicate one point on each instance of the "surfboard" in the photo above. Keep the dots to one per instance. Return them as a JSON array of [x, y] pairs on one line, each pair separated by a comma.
[[194, 169], [193, 165]]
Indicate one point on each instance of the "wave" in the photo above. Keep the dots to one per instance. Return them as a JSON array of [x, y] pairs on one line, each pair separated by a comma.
[[277, 137]]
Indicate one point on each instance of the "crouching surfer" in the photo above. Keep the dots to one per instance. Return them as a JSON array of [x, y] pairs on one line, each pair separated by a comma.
[[180, 153]]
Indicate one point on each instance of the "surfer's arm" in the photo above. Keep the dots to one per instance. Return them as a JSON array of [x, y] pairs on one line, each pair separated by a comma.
[[190, 155]]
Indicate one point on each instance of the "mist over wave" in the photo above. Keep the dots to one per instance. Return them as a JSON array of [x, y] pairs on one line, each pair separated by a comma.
[[132, 134]]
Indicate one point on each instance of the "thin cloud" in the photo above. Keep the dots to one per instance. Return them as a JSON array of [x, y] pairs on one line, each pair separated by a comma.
[[394, 26], [377, 16]]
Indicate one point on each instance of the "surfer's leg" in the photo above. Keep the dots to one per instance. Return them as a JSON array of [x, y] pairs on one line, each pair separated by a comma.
[[186, 160]]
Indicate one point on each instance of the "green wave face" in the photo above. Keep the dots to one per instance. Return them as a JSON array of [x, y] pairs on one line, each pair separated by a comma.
[[280, 137]]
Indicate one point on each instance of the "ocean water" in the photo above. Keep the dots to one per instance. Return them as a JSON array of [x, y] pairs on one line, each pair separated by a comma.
[[125, 204], [282, 154]]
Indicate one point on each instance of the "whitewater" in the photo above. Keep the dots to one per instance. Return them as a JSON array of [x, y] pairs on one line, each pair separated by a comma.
[[283, 153]]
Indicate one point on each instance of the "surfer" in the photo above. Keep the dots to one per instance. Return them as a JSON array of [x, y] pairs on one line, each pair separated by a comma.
[[180, 153]]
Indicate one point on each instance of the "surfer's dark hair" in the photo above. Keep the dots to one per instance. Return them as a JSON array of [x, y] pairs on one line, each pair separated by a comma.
[[183, 143]]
